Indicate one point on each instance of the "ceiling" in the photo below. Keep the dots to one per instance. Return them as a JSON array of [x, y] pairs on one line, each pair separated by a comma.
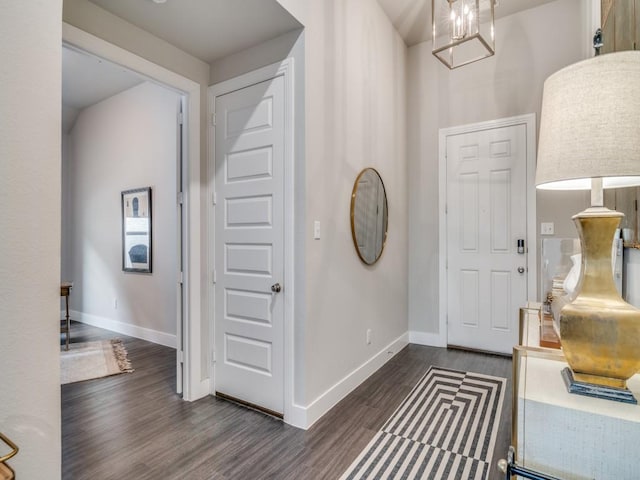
[[206, 29], [87, 80], [212, 29], [412, 18]]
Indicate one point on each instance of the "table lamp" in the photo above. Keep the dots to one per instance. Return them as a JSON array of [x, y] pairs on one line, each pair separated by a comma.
[[590, 138]]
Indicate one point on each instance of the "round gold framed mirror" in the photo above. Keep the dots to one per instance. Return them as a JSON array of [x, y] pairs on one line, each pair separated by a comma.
[[369, 215]]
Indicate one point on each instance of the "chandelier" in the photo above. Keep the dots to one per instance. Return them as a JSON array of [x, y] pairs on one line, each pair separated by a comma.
[[463, 31]]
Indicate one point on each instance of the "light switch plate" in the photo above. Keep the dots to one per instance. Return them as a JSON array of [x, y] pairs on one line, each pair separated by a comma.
[[546, 228], [316, 230]]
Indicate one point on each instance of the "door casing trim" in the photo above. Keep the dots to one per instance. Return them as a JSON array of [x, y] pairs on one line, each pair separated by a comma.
[[195, 383], [529, 121], [285, 69]]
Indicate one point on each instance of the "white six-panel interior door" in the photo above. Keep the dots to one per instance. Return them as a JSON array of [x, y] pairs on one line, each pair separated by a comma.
[[486, 215], [249, 245]]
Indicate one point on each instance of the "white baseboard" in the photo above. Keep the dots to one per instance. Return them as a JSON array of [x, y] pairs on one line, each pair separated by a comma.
[[198, 391], [296, 415], [305, 417], [154, 336], [428, 339]]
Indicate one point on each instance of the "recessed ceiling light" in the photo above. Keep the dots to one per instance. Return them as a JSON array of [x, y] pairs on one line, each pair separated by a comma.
[[159, 1]]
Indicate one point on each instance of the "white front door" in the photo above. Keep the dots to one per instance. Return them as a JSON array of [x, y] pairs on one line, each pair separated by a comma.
[[249, 244], [486, 216]]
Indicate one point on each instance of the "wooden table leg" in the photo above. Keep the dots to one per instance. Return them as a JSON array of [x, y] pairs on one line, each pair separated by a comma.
[[65, 289], [68, 320]]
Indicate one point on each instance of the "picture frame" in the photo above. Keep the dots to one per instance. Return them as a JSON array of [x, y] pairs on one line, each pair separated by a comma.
[[136, 230]]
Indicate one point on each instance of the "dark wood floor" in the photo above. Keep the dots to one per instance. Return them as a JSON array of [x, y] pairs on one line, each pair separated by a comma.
[[134, 426]]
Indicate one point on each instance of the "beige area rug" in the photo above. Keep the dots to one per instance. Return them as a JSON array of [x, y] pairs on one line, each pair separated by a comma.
[[84, 361]]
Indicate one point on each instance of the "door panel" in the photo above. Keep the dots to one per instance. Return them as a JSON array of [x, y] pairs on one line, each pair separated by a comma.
[[501, 294], [469, 190], [249, 259], [251, 164], [469, 293], [248, 306], [248, 353], [249, 239], [486, 214]]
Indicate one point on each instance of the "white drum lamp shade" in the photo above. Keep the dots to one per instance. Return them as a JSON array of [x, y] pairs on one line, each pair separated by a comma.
[[590, 124]]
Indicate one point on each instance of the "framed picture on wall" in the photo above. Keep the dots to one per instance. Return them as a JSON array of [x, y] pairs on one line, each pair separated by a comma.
[[136, 230]]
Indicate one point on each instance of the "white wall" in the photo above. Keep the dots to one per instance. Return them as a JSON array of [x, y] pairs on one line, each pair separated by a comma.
[[355, 103], [65, 247], [127, 141], [530, 46], [30, 219]]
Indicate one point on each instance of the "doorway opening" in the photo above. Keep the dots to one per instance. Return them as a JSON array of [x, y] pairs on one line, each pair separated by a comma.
[[195, 384], [121, 131]]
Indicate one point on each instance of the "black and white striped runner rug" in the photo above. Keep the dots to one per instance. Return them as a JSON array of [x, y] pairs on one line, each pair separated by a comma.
[[444, 430]]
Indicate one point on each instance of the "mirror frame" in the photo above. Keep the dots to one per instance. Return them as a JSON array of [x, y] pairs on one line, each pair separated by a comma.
[[353, 203]]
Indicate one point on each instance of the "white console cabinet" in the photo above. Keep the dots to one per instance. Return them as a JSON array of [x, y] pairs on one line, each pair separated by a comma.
[[566, 435]]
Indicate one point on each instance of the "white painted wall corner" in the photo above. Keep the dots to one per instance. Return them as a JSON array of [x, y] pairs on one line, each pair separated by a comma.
[[305, 417], [428, 339]]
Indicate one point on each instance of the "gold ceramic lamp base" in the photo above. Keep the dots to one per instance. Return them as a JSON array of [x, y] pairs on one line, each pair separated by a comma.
[[600, 332]]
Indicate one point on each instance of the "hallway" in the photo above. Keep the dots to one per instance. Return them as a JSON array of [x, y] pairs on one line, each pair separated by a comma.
[[135, 426]]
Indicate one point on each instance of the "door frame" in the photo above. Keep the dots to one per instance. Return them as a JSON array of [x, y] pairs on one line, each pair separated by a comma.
[[285, 69], [529, 121], [195, 384]]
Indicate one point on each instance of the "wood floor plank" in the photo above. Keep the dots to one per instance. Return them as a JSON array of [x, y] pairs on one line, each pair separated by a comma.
[[136, 426]]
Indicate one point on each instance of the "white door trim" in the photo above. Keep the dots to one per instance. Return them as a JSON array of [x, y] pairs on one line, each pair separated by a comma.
[[286, 70], [196, 385], [529, 121]]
